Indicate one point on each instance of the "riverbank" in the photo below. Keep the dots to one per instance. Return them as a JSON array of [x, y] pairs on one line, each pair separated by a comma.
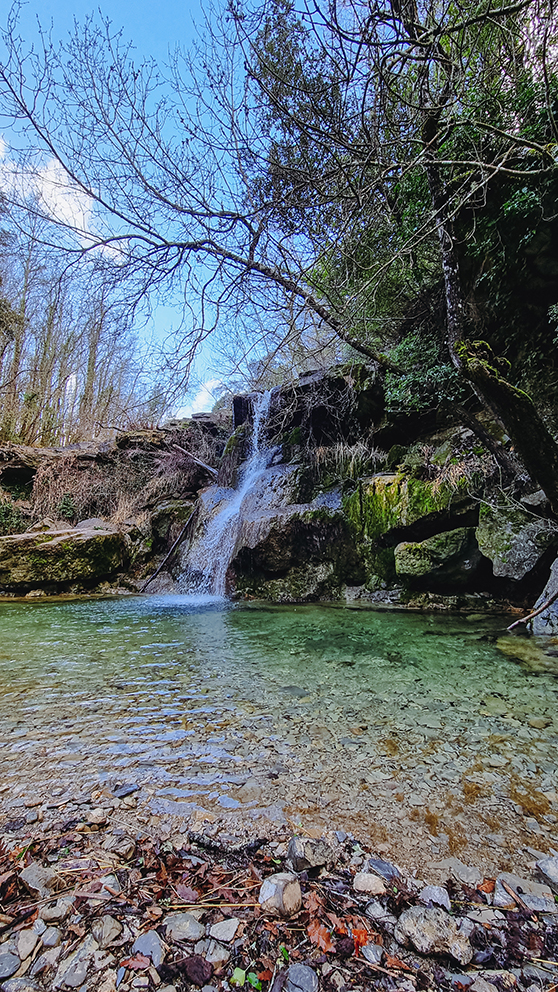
[[97, 902]]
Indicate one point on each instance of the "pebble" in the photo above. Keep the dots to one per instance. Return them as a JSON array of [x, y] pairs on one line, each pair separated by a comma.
[[280, 895], [40, 881], [183, 926], [431, 931], [213, 952], [106, 930], [9, 963], [381, 916], [58, 911], [548, 868], [300, 978], [365, 881], [481, 985], [437, 895], [20, 985], [51, 937], [150, 944], [73, 970], [26, 943], [45, 961], [463, 873], [225, 931], [372, 953], [306, 852]]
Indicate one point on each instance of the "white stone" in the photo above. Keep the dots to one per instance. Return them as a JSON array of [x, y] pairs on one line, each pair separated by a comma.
[[366, 881], [26, 943], [183, 926], [435, 894], [432, 931], [280, 895], [225, 931]]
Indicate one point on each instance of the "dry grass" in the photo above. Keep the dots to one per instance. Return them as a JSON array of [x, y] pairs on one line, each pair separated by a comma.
[[346, 461]]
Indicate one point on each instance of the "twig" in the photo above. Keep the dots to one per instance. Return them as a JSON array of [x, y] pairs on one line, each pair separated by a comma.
[[180, 537], [208, 468], [517, 898], [210, 905], [535, 613]]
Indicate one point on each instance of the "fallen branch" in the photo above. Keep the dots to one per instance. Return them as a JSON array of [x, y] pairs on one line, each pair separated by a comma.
[[212, 471], [535, 613], [180, 538]]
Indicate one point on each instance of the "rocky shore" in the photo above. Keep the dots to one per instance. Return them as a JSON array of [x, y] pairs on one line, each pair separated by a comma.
[[96, 904]]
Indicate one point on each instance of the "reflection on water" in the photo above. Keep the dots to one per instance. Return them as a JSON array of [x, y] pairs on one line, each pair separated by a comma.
[[419, 722]]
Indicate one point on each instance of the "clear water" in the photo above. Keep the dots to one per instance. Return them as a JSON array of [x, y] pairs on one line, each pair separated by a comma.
[[404, 727]]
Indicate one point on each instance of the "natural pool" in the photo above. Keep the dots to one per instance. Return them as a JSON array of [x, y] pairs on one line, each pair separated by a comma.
[[421, 733]]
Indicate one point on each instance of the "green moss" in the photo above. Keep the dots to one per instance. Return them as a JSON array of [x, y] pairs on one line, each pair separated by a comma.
[[237, 438]]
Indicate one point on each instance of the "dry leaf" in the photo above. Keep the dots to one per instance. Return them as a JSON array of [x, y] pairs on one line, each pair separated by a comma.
[[313, 902], [488, 885], [187, 894], [138, 963], [339, 925], [360, 937], [320, 936], [396, 963]]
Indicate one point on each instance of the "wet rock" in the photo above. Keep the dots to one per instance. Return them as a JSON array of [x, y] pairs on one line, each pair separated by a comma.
[[183, 926], [280, 895], [535, 896], [297, 978], [72, 972], [305, 853], [106, 930], [365, 881], [225, 931], [432, 931], [9, 963], [548, 868], [437, 895], [39, 881], [150, 944]]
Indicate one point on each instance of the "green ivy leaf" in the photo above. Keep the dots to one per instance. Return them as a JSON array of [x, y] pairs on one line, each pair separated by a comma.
[[238, 977]]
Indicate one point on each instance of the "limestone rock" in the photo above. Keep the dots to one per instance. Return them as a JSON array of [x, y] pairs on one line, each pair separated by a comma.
[[26, 943], [225, 931], [72, 972], [300, 978], [280, 895], [535, 896], [432, 931], [365, 881], [106, 930], [437, 895], [57, 911], [151, 945], [514, 539], [305, 852], [54, 557], [450, 558], [548, 868], [183, 926]]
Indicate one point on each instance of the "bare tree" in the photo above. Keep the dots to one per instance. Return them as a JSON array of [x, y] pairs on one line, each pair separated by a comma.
[[261, 162]]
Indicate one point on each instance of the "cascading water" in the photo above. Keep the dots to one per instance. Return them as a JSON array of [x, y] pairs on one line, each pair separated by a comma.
[[209, 556]]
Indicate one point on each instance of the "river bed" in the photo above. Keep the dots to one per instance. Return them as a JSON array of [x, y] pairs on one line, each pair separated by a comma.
[[429, 736]]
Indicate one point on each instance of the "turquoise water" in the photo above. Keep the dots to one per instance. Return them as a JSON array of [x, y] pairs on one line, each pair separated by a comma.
[[334, 712]]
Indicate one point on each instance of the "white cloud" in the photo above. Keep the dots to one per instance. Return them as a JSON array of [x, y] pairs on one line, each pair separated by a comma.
[[63, 201], [203, 400]]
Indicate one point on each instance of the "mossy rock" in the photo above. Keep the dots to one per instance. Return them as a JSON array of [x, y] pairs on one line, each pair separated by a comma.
[[514, 539], [451, 558], [58, 557]]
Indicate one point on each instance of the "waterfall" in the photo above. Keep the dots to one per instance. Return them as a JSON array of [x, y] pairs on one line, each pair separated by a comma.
[[210, 554]]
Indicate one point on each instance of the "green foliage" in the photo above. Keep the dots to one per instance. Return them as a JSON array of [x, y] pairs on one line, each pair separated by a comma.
[[66, 508], [12, 520], [425, 380]]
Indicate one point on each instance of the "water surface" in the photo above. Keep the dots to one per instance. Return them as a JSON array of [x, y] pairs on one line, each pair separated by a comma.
[[408, 728]]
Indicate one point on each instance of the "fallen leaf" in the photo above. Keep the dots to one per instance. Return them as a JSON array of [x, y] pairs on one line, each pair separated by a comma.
[[320, 936], [396, 963], [339, 925], [360, 937], [313, 902], [265, 976], [187, 894], [488, 885], [138, 963]]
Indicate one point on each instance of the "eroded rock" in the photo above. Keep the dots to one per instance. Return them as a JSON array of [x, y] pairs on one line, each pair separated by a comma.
[[280, 895], [431, 931]]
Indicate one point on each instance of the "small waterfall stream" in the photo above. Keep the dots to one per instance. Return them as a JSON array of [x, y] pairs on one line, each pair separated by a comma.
[[210, 554]]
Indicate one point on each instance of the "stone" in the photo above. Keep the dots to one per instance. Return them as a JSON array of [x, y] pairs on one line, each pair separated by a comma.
[[431, 931], [60, 556], [46, 961], [57, 911], [252, 789], [481, 985], [300, 978], [225, 931], [39, 881], [305, 853], [26, 943], [513, 539], [106, 930], [384, 868], [535, 896], [280, 895], [183, 926], [9, 963], [463, 873], [124, 847], [20, 985], [111, 884], [213, 953], [51, 937], [372, 953], [365, 881], [437, 895], [449, 559], [72, 972], [381, 916], [548, 868], [150, 944]]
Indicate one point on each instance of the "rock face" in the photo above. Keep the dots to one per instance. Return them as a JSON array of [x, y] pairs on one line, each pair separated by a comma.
[[450, 557], [547, 622], [57, 557], [514, 539]]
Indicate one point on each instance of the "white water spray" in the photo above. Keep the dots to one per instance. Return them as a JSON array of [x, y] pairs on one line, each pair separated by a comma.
[[210, 555]]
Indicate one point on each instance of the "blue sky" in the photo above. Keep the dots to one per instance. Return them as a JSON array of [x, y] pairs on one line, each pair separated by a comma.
[[154, 28]]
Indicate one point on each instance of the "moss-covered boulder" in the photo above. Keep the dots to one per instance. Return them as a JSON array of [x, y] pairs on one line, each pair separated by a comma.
[[451, 559], [55, 558], [514, 539]]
